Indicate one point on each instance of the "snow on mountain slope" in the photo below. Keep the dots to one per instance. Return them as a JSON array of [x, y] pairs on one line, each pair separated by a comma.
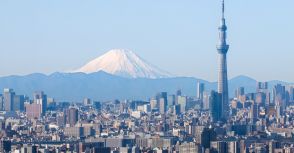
[[123, 63]]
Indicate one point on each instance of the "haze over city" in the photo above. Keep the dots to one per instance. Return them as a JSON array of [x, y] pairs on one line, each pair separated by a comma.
[[179, 37]]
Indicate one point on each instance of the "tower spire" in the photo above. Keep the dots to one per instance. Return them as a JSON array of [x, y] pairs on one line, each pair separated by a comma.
[[222, 49], [223, 9]]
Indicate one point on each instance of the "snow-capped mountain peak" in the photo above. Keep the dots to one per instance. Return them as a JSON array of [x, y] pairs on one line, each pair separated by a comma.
[[123, 63]]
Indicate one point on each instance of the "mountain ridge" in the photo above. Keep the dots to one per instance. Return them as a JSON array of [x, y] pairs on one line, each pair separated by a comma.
[[103, 86]]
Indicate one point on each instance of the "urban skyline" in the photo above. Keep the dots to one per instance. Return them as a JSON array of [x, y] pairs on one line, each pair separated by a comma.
[[172, 115], [196, 22]]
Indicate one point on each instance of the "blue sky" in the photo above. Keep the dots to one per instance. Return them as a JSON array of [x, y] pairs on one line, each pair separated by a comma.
[[177, 36]]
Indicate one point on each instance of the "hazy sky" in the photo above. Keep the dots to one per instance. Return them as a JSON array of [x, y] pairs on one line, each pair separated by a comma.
[[178, 36]]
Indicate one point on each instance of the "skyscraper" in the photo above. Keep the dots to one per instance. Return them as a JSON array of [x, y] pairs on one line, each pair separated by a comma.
[[87, 102], [1, 103], [291, 94], [72, 116], [8, 95], [171, 100], [239, 92], [153, 104], [41, 98], [222, 49], [179, 92], [18, 102], [162, 100], [34, 110], [279, 96], [182, 101], [200, 90], [162, 106], [262, 87], [215, 107]]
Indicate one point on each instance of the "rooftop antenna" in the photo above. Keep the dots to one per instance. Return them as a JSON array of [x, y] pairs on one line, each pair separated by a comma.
[[223, 8]]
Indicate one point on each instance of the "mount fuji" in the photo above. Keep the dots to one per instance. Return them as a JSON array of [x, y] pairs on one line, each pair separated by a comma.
[[124, 63]]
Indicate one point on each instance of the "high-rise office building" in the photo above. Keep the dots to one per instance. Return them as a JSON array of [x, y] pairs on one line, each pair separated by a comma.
[[260, 98], [279, 96], [222, 49], [179, 92], [18, 102], [1, 103], [162, 96], [153, 104], [200, 90], [291, 92], [162, 106], [182, 101], [72, 116], [8, 95], [207, 136], [254, 111], [87, 102], [215, 105], [177, 109], [34, 110], [61, 119], [219, 146], [239, 92], [262, 87], [279, 91], [205, 102], [5, 146], [41, 98], [171, 100], [97, 105]]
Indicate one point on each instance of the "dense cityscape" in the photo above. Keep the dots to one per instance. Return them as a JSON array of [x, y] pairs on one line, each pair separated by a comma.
[[210, 122], [257, 122]]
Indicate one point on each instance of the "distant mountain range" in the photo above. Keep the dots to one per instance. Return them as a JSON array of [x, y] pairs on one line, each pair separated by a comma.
[[117, 74], [102, 86]]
